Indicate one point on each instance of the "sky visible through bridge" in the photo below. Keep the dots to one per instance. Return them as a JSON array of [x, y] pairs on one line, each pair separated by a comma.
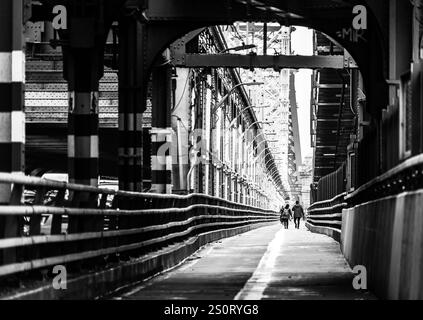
[[302, 44]]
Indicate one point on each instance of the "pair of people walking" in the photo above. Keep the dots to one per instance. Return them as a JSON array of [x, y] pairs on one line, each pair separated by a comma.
[[286, 215]]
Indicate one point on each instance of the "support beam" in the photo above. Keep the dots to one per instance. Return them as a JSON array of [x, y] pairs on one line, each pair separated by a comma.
[[83, 65], [12, 119], [84, 68], [257, 61], [132, 102], [161, 132], [180, 124]]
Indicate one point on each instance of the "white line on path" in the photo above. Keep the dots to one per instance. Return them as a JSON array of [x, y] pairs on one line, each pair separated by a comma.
[[255, 286]]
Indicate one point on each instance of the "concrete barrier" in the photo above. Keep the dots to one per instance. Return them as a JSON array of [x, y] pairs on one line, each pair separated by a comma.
[[100, 283], [331, 232], [385, 236]]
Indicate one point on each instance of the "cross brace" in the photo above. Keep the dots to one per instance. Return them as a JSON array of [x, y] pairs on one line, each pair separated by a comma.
[[262, 61]]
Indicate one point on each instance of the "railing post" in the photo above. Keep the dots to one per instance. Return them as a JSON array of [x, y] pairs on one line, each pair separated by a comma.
[[35, 220], [56, 223], [73, 222]]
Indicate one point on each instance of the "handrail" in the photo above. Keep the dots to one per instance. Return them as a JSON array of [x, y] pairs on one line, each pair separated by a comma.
[[327, 215], [340, 205], [342, 195], [8, 178], [88, 223], [38, 210], [407, 164]]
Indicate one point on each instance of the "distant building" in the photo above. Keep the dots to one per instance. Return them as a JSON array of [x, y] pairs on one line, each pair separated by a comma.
[[306, 179]]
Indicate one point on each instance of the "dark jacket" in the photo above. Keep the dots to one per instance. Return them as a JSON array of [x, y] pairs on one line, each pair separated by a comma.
[[284, 217], [298, 211]]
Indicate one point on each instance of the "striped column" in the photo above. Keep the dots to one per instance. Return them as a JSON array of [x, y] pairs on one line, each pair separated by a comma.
[[12, 78], [83, 144], [161, 133], [12, 118], [161, 160], [130, 151], [83, 67], [132, 103]]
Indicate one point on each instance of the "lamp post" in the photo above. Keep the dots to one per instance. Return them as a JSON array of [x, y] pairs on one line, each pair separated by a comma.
[[256, 122], [274, 172], [257, 146], [240, 138], [243, 134], [269, 150], [263, 167], [232, 90], [219, 105], [241, 112]]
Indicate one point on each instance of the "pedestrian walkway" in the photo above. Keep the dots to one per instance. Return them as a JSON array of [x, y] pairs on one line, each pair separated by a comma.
[[266, 263]]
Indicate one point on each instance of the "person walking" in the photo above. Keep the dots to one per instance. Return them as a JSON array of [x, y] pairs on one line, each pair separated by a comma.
[[298, 214], [286, 214]]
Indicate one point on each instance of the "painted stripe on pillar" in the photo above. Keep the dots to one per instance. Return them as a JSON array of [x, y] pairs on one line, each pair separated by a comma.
[[83, 142], [12, 133], [12, 66], [76, 146], [161, 160], [83, 168], [12, 96], [12, 127], [128, 139], [127, 121], [130, 151], [12, 78], [83, 124], [12, 159]]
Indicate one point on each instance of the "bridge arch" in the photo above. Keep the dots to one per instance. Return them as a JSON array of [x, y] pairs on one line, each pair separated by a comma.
[[166, 24]]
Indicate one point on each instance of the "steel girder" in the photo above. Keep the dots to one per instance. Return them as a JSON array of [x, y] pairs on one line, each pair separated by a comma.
[[255, 61], [332, 17], [169, 20]]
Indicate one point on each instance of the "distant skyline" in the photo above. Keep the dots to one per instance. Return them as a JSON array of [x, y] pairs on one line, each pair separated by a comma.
[[302, 44]]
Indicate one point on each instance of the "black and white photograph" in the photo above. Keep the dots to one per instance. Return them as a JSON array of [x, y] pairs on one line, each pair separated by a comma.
[[211, 155]]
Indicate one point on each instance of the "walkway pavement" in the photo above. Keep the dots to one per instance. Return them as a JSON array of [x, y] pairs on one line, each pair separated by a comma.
[[266, 263]]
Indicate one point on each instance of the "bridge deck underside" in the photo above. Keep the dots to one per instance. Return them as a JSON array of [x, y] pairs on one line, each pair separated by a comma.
[[334, 124]]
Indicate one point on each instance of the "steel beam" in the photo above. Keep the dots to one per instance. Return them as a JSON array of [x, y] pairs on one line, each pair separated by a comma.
[[161, 131], [12, 118], [132, 102], [259, 61]]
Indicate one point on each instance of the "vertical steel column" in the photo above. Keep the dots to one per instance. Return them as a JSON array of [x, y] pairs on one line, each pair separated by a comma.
[[83, 58], [12, 78], [83, 66], [161, 132], [83, 123], [207, 122], [12, 118], [132, 102]]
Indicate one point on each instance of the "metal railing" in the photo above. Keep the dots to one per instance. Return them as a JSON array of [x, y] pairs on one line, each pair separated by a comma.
[[331, 185], [50, 223], [405, 177], [327, 214]]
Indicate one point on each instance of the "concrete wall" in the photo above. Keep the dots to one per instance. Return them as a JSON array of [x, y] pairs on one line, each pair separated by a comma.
[[385, 236]]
